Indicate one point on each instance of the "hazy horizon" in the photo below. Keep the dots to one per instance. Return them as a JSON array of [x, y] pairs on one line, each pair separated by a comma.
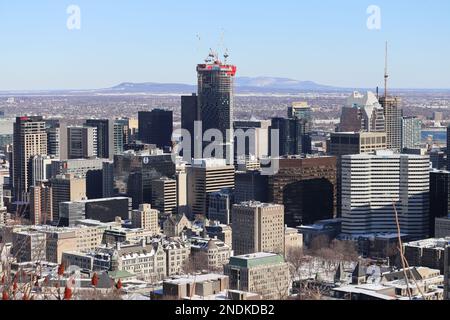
[[159, 41]]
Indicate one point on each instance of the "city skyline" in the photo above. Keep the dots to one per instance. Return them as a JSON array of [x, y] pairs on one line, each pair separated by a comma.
[[327, 43]]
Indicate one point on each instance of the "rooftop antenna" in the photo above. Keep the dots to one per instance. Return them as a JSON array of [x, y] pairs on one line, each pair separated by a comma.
[[386, 75]]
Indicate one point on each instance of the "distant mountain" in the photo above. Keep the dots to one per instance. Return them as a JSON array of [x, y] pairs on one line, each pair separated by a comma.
[[243, 85], [151, 87], [276, 84]]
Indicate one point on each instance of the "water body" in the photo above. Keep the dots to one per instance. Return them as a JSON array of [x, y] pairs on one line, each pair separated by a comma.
[[438, 136]]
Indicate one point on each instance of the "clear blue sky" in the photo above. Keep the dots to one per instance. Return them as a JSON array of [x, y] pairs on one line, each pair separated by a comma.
[[326, 41]]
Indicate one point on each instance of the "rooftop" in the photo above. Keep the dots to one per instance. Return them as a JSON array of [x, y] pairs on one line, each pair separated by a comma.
[[256, 259]]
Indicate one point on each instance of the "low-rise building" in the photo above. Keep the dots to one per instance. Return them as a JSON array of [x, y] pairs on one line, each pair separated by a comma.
[[293, 240], [175, 225], [177, 255], [266, 274], [219, 231], [29, 246], [210, 254], [442, 227], [202, 285], [427, 253]]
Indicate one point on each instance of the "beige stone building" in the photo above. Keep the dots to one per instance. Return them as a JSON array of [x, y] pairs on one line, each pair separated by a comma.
[[293, 240], [258, 227], [210, 254], [177, 255], [146, 218], [164, 195], [175, 225]]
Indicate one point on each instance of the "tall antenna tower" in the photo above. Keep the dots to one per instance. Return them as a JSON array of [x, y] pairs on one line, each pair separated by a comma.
[[386, 75]]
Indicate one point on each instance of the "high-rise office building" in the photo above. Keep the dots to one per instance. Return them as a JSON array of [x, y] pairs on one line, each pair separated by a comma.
[[41, 167], [56, 138], [301, 110], [448, 148], [108, 179], [190, 113], [220, 206], [257, 227], [82, 142], [216, 100], [156, 127], [362, 113], [411, 133], [256, 135], [438, 160], [346, 143], [76, 167], [122, 134], [66, 188], [393, 115], [439, 196], [306, 187], [105, 137], [103, 210], [373, 184], [30, 139], [294, 136], [164, 195], [250, 186], [41, 210], [135, 171], [205, 176]]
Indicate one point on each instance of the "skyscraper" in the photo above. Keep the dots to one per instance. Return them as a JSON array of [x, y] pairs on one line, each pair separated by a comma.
[[411, 132], [30, 139], [164, 195], [362, 113], [216, 99], [294, 138], [66, 188], [392, 114], [82, 142], [258, 227], [41, 211], [439, 196], [56, 132], [372, 184], [105, 137], [306, 187], [206, 176], [301, 110], [156, 127], [189, 114], [448, 148]]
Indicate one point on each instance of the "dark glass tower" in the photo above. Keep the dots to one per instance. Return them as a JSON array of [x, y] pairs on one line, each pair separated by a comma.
[[294, 136], [216, 99], [189, 114], [448, 148], [156, 127], [105, 137], [439, 196]]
